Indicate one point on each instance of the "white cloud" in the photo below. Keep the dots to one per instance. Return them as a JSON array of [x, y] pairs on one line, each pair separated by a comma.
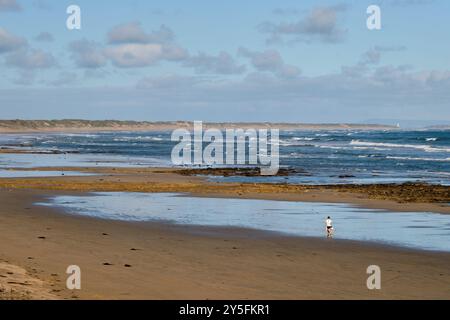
[[173, 52], [130, 46], [10, 42], [369, 59], [87, 54], [134, 33], [223, 63], [271, 61], [320, 24], [31, 59], [135, 55], [44, 37], [9, 5]]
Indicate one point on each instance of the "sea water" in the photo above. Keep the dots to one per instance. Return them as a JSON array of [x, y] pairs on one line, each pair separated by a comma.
[[320, 157]]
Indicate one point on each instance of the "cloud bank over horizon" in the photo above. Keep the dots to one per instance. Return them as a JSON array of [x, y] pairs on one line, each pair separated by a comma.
[[309, 62]]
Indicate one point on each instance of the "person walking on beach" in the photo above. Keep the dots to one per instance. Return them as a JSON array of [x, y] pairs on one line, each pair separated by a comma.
[[329, 225]]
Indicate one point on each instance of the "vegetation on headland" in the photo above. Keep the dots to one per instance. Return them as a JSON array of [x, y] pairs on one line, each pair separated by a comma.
[[115, 125]]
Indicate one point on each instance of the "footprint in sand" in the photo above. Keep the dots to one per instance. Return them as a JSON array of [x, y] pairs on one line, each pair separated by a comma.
[[19, 283]]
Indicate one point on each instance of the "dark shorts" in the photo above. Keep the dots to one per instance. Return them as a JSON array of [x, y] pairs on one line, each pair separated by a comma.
[[329, 228]]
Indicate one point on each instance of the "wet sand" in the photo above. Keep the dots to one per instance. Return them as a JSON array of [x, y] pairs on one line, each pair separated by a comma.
[[124, 260], [395, 197]]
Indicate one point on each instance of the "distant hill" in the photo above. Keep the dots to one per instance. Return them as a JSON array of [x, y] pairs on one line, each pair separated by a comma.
[[442, 127], [74, 125], [411, 124]]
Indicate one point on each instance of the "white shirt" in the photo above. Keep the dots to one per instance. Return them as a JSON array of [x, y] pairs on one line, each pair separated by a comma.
[[329, 222]]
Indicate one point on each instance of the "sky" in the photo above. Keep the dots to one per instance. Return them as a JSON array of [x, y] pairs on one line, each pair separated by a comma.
[[274, 61]]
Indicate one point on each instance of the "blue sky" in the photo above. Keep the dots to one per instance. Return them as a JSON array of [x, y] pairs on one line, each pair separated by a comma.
[[303, 61]]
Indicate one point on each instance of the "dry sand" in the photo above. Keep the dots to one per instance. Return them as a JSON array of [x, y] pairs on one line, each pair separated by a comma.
[[18, 284]]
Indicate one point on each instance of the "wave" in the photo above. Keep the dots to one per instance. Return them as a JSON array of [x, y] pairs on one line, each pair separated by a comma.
[[295, 142], [138, 138], [441, 173], [425, 148], [334, 147], [303, 139], [372, 148], [81, 135], [419, 159], [331, 147]]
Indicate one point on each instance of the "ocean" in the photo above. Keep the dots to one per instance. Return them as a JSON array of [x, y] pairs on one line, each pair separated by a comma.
[[319, 157]]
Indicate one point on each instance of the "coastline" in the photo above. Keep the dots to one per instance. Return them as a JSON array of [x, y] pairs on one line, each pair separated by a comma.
[[83, 126], [224, 160], [127, 260]]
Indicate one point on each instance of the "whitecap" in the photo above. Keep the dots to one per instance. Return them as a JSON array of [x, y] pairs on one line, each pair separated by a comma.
[[425, 148]]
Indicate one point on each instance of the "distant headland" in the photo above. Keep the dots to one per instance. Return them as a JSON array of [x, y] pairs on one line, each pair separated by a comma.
[[75, 125]]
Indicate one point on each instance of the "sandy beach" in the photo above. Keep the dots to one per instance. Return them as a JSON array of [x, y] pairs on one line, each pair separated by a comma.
[[155, 151], [129, 260]]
